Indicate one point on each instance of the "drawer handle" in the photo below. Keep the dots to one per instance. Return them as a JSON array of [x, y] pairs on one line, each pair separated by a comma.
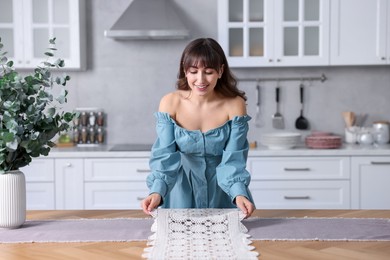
[[143, 170], [380, 163], [140, 198], [297, 197], [297, 169]]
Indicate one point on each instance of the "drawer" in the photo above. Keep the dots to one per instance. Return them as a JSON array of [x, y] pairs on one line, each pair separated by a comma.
[[114, 195], [293, 168], [116, 169], [39, 170], [301, 194]]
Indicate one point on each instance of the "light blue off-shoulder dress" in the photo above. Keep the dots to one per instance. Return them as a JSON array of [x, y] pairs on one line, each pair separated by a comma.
[[192, 169]]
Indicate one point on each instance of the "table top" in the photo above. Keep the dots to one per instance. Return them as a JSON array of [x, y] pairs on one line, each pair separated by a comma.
[[267, 249]]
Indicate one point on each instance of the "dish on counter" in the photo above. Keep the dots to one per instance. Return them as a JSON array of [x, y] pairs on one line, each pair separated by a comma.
[[323, 141], [280, 140]]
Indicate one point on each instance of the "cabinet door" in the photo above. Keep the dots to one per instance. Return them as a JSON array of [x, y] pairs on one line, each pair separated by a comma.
[[69, 179], [358, 32], [301, 32], [11, 29], [45, 19], [245, 31], [370, 182], [40, 193]]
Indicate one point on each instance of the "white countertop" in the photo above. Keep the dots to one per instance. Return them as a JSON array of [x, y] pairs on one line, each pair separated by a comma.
[[103, 151]]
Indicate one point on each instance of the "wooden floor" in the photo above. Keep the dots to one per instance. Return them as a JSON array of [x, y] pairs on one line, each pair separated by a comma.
[[269, 250]]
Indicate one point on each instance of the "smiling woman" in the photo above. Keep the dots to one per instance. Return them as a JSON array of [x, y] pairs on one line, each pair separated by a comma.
[[199, 157]]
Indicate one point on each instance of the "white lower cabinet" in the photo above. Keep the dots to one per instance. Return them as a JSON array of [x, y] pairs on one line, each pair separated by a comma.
[[370, 182], [40, 184], [278, 182], [54, 184], [300, 182], [115, 183], [69, 183]]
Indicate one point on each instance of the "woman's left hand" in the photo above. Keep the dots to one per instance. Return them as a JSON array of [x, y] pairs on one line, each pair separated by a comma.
[[245, 205]]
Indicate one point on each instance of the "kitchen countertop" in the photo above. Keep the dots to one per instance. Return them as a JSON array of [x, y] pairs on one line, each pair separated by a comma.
[[268, 249], [262, 151]]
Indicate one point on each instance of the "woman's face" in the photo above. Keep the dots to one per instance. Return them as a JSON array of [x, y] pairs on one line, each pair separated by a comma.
[[202, 80]]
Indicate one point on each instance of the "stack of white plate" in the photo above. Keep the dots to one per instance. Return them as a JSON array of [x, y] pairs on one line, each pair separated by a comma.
[[280, 140]]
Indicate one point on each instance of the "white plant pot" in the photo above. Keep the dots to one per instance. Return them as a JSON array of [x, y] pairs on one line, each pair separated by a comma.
[[12, 199]]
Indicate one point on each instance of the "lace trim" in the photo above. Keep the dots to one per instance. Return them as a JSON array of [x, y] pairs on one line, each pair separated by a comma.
[[199, 234]]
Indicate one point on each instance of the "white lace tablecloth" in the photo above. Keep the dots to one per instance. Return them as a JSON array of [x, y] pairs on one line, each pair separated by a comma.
[[199, 234]]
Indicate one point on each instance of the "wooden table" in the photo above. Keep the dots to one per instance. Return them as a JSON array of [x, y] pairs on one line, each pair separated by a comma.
[[269, 250]]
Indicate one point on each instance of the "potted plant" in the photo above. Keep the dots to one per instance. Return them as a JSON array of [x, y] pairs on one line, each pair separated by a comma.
[[30, 117]]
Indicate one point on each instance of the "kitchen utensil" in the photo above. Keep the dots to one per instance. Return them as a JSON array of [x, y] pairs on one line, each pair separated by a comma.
[[259, 118], [349, 118], [277, 118], [301, 123]]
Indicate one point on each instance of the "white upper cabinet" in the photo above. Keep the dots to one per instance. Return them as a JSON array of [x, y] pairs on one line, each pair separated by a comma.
[[360, 32], [274, 32], [27, 25]]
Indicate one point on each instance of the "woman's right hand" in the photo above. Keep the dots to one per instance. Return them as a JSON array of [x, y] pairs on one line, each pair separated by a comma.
[[151, 202]]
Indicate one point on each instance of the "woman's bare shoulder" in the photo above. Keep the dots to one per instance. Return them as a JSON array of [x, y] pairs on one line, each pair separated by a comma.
[[236, 107], [171, 101]]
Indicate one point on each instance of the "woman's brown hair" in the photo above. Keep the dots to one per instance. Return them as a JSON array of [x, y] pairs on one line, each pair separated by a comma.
[[209, 53]]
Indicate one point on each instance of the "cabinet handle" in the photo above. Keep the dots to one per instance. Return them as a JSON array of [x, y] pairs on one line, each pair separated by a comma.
[[278, 60], [140, 198], [296, 197], [297, 169], [270, 60], [383, 58], [380, 163], [68, 165], [143, 170]]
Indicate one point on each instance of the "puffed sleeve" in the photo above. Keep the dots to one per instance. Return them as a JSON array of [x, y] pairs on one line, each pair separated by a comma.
[[232, 175], [165, 158]]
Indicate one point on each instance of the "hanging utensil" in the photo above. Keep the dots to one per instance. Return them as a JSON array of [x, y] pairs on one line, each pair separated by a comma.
[[277, 118], [259, 118], [301, 123]]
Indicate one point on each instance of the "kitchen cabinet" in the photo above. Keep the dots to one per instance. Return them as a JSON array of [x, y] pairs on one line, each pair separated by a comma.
[[370, 182], [115, 183], [86, 183], [54, 184], [69, 183], [27, 25], [40, 184], [300, 182], [274, 33], [360, 32]]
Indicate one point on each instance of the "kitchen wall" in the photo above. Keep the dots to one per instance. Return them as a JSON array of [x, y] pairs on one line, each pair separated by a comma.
[[128, 78]]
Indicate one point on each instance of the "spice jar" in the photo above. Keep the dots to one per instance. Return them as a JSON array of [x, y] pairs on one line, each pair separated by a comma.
[[92, 118], [100, 135], [84, 118], [100, 118]]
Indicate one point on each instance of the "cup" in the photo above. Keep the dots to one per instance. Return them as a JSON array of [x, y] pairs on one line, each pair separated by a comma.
[[351, 135]]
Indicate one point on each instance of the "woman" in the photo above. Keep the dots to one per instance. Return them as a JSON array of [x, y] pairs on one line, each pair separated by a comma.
[[199, 157]]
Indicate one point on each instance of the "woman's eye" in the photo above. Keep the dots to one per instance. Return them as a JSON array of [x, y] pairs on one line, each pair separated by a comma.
[[193, 71]]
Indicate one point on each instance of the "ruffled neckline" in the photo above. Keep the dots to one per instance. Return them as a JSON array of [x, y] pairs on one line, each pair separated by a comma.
[[235, 120]]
